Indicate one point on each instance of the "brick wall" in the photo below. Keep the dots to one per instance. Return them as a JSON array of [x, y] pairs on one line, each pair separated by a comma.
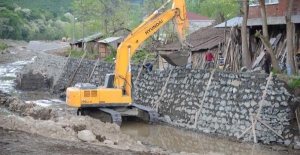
[[275, 10]]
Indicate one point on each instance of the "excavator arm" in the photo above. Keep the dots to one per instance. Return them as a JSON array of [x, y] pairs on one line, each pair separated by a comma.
[[152, 24]]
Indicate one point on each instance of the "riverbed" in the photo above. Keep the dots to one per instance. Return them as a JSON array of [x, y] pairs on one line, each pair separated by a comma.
[[166, 137]]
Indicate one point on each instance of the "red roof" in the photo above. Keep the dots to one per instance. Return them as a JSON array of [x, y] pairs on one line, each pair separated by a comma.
[[193, 16]]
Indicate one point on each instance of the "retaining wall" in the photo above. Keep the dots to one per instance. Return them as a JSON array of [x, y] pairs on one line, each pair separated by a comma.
[[52, 66], [230, 100]]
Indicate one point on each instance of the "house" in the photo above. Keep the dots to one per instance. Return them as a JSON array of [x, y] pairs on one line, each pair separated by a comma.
[[107, 45], [89, 43], [276, 11], [208, 38], [197, 21]]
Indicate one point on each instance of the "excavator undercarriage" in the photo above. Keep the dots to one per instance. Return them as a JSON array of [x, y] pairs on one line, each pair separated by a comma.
[[115, 114]]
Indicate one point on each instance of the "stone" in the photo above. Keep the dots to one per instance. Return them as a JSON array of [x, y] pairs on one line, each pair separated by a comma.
[[86, 136], [224, 121], [108, 142], [247, 91], [276, 105], [139, 142], [206, 76], [287, 142], [244, 111], [297, 142], [236, 83], [253, 103], [284, 103], [168, 119], [234, 90], [247, 104], [244, 69], [278, 98], [216, 126]]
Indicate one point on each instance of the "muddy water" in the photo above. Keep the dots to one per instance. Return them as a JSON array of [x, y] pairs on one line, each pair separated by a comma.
[[178, 140], [8, 74]]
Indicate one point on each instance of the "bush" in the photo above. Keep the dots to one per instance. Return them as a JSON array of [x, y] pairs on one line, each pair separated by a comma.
[[78, 54], [294, 83], [139, 56], [3, 46]]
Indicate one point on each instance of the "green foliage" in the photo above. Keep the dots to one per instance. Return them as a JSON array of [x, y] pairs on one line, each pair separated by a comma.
[[10, 24], [214, 8], [3, 46], [49, 5], [112, 55], [79, 54], [294, 83], [25, 24], [139, 56]]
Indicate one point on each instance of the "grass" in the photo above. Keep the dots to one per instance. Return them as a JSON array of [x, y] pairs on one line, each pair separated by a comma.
[[294, 83], [3, 46], [78, 54]]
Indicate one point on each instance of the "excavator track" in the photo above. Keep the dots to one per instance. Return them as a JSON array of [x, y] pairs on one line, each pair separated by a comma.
[[104, 114], [116, 117], [111, 115], [146, 114]]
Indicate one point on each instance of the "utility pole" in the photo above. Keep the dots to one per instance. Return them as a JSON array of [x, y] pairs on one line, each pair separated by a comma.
[[82, 26], [74, 29]]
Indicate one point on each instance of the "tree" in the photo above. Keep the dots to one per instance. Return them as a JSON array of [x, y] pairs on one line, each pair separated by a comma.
[[245, 52], [264, 18], [102, 16], [194, 5], [289, 38], [213, 8], [265, 37]]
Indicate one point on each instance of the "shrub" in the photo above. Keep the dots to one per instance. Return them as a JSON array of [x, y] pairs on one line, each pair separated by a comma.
[[3, 46], [294, 83]]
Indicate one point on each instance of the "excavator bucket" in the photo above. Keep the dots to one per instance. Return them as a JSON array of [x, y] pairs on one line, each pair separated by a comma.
[[176, 58]]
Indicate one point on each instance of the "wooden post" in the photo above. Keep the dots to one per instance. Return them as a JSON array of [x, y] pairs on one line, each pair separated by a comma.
[[257, 118], [141, 69], [253, 129], [93, 70], [260, 106], [297, 110], [203, 98], [69, 84], [163, 90]]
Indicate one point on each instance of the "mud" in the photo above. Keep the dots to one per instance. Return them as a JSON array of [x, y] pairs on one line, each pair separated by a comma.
[[55, 123], [22, 143], [171, 138]]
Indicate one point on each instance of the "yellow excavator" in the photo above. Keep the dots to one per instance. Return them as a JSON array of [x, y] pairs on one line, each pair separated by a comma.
[[114, 100]]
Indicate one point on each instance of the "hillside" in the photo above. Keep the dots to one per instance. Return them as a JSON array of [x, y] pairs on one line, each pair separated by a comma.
[[49, 5]]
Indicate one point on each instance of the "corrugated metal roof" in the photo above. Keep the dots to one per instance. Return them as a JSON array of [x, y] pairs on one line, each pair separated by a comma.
[[109, 39], [88, 39], [203, 39], [257, 21], [232, 22], [273, 20]]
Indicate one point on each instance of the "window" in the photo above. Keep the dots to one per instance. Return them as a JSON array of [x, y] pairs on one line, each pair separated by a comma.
[[255, 2]]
